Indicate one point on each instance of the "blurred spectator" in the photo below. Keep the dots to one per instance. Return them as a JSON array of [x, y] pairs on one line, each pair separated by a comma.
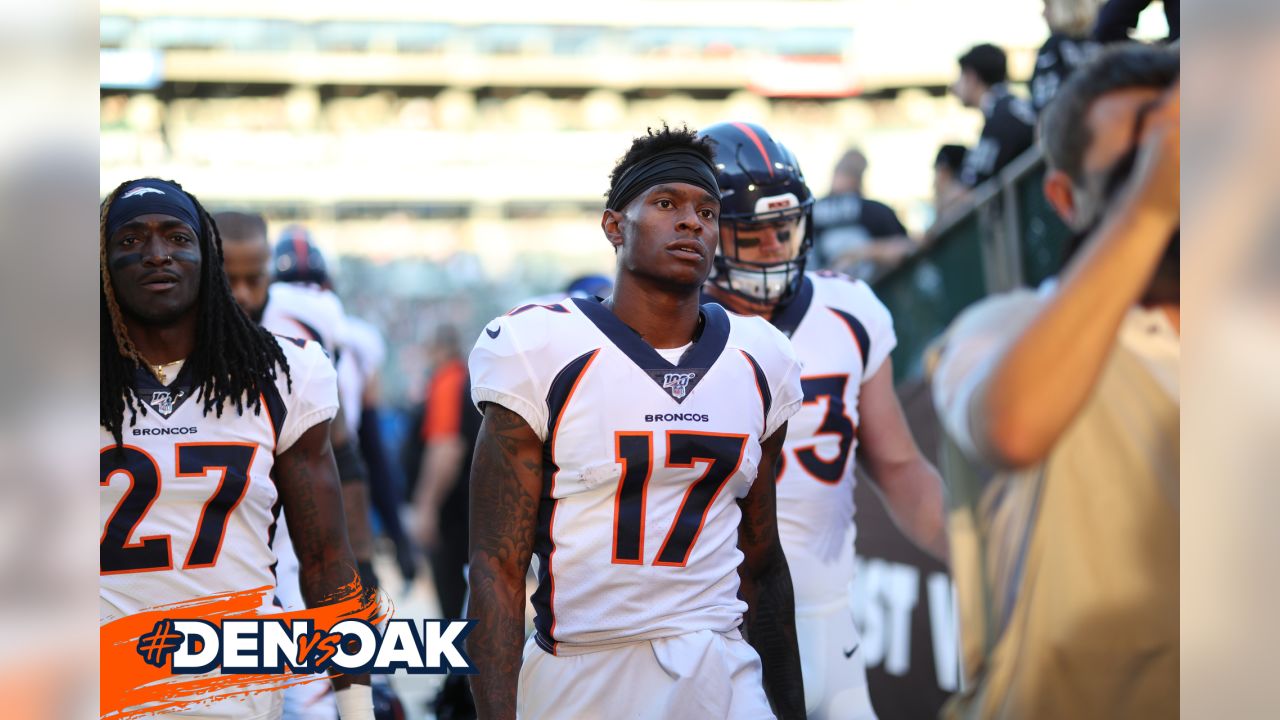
[[1067, 48], [1009, 119], [853, 234], [450, 425], [1066, 557], [948, 191], [1118, 17]]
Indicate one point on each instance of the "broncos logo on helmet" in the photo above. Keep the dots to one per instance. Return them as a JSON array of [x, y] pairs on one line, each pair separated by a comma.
[[761, 186]]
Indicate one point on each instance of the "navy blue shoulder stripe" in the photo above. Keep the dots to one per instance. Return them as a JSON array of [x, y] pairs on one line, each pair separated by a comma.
[[314, 333], [275, 406], [300, 342], [859, 333], [762, 382], [562, 387], [543, 545]]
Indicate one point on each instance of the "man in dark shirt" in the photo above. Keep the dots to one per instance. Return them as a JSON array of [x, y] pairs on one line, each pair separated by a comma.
[[1009, 129], [1117, 17], [853, 234]]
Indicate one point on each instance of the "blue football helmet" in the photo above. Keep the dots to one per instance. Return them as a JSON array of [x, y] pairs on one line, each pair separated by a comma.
[[297, 259], [589, 286], [760, 184]]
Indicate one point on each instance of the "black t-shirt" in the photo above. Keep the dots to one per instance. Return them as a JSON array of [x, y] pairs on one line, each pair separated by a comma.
[[1117, 17], [1009, 130], [1057, 59], [842, 222]]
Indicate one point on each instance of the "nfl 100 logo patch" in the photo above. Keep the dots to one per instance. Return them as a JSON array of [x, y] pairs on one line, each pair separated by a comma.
[[162, 401], [677, 383]]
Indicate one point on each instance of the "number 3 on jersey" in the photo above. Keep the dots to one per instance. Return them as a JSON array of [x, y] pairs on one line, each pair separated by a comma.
[[634, 450], [835, 422], [118, 555]]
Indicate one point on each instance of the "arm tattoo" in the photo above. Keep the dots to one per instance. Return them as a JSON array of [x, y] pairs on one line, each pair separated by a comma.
[[766, 586], [307, 479], [506, 481]]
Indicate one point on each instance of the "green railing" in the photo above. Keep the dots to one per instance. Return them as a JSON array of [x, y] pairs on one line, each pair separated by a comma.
[[1006, 236]]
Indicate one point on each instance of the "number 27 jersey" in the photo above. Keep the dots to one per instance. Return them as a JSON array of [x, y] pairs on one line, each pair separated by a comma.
[[643, 464], [188, 506]]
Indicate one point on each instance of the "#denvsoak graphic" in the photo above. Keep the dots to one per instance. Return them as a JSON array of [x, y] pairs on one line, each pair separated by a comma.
[[232, 645]]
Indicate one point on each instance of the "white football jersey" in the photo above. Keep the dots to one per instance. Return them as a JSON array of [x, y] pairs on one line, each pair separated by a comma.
[[644, 462], [304, 311], [363, 352], [188, 508], [842, 334]]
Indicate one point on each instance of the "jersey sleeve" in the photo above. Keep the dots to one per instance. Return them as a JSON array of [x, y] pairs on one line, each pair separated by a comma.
[[879, 325], [877, 339], [501, 372], [314, 397], [781, 368], [787, 394]]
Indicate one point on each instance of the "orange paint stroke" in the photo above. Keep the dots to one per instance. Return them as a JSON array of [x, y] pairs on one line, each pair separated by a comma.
[[130, 688]]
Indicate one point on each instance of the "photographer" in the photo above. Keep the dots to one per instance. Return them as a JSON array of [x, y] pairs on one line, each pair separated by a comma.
[[1067, 398]]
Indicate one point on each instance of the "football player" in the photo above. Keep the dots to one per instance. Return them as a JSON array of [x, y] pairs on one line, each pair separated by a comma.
[[298, 304], [209, 424], [842, 335], [630, 445]]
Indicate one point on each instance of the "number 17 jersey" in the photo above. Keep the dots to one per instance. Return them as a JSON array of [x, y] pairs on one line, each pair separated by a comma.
[[644, 461]]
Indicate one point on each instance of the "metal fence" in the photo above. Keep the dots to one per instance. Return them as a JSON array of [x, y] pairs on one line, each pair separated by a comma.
[[1006, 236]]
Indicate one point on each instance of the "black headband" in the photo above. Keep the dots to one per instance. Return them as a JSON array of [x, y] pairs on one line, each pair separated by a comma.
[[149, 195], [675, 165]]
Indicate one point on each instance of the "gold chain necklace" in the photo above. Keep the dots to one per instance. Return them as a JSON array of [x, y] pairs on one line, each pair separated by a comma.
[[159, 369]]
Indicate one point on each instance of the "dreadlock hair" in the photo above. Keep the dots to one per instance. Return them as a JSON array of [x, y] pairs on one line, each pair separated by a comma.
[[645, 147], [233, 357]]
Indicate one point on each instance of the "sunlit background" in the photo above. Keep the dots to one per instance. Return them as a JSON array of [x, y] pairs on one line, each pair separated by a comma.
[[453, 156]]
